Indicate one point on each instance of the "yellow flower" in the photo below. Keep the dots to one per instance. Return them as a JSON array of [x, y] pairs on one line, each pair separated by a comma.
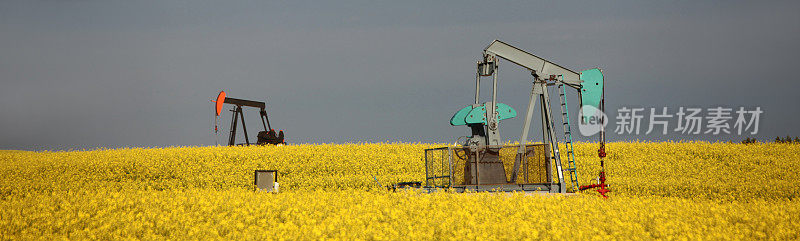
[[668, 190]]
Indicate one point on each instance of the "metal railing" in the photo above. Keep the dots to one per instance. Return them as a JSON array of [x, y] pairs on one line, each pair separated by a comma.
[[447, 166]]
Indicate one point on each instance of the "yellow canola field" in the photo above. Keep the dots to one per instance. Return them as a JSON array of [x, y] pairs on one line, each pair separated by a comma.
[[314, 215], [667, 190]]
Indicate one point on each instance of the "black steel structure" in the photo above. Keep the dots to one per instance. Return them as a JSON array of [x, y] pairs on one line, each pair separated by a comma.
[[267, 136]]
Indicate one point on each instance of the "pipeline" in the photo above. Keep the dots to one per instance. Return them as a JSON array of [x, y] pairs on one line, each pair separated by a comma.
[[602, 176]]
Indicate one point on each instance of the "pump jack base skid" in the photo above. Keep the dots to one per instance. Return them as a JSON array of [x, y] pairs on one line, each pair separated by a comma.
[[526, 188]]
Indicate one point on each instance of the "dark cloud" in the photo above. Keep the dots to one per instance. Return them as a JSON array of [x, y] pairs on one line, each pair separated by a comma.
[[86, 74]]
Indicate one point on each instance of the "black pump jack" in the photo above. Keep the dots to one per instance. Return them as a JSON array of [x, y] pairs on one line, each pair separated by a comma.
[[268, 136]]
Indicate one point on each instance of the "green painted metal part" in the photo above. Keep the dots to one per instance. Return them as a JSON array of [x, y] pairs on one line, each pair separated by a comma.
[[469, 115], [591, 90], [460, 116]]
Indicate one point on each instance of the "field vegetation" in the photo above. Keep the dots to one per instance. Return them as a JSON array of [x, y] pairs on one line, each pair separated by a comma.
[[688, 190]]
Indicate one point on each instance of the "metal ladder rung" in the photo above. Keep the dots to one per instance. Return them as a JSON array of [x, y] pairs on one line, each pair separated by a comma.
[[572, 169]]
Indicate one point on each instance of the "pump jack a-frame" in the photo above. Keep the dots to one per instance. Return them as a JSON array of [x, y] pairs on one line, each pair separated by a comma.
[[267, 136]]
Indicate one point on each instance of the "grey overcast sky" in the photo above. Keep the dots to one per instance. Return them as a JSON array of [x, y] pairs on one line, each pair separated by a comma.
[[88, 74]]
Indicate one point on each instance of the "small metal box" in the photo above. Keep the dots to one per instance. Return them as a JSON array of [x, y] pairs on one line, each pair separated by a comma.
[[265, 180]]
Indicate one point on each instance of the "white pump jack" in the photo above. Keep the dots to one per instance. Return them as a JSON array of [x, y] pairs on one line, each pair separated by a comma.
[[485, 130]]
